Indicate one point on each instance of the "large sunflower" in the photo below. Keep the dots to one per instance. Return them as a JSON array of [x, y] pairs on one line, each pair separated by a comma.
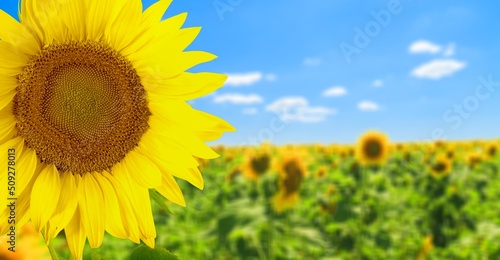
[[372, 148], [93, 101]]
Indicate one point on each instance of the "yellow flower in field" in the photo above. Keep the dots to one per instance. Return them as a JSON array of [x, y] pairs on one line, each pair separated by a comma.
[[473, 159], [327, 204], [407, 156], [29, 246], [233, 174], [452, 189], [345, 151], [256, 163], [399, 147], [334, 164], [450, 154], [440, 144], [372, 148], [426, 248], [93, 100], [321, 172], [219, 149], [331, 190], [491, 150], [292, 171], [229, 156], [441, 166], [327, 207]]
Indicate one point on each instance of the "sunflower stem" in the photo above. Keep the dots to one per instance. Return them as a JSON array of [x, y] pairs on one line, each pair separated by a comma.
[[52, 250]]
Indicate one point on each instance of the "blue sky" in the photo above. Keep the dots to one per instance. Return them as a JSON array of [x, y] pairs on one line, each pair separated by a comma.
[[414, 70]]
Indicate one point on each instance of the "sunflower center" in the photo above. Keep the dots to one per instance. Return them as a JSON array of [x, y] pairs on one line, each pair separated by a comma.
[[260, 163], [439, 167], [80, 100], [373, 149], [80, 106], [294, 176], [492, 151]]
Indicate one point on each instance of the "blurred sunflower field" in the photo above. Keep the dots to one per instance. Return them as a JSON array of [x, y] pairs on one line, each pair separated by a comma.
[[369, 200]]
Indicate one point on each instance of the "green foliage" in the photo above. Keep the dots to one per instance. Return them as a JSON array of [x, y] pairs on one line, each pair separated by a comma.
[[353, 212], [147, 253]]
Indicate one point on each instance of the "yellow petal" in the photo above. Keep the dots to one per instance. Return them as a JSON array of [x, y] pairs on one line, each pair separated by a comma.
[[150, 241], [154, 13], [73, 15], [142, 170], [91, 203], [15, 143], [6, 99], [7, 124], [139, 198], [172, 137], [171, 64], [185, 86], [185, 37], [192, 175], [26, 165], [66, 207], [170, 190], [45, 19], [11, 56], [126, 210], [154, 147], [123, 30], [167, 28], [75, 236], [22, 211], [114, 224], [44, 196], [178, 112], [99, 15], [189, 59], [23, 207], [17, 34]]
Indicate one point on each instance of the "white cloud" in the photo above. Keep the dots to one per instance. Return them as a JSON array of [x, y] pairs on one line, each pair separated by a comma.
[[423, 46], [243, 79], [250, 111], [238, 99], [438, 68], [335, 91], [450, 50], [285, 103], [298, 109], [271, 77], [368, 106], [378, 83], [312, 61]]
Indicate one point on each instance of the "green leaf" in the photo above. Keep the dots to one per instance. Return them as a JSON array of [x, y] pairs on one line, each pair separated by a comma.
[[160, 200], [147, 253]]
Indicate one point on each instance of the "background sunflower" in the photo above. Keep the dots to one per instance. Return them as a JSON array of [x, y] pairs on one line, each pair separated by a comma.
[[372, 148]]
